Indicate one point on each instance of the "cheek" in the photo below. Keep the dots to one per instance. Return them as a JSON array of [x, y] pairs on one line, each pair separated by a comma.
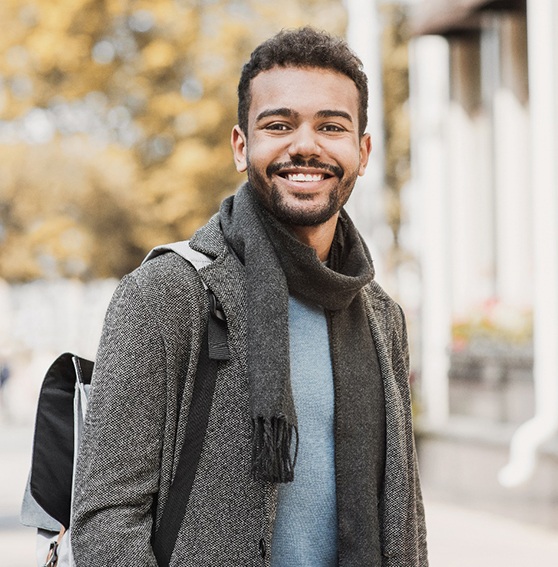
[[258, 160], [266, 150], [346, 153]]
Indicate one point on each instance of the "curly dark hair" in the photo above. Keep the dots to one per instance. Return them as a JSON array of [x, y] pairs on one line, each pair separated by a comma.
[[303, 47]]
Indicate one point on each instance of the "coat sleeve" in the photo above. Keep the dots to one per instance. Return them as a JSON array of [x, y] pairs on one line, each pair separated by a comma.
[[415, 488], [119, 460]]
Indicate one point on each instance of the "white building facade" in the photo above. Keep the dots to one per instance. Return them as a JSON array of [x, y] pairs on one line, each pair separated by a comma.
[[484, 104]]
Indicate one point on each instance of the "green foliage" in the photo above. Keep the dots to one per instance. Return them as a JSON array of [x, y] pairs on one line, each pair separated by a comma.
[[115, 123]]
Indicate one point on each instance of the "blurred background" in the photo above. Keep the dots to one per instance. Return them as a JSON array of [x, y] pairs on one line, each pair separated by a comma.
[[115, 118]]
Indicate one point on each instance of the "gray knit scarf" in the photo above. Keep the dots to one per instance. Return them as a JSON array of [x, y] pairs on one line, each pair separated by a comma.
[[278, 264]]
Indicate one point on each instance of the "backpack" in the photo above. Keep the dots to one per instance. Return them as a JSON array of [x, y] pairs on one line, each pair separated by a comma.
[[47, 502]]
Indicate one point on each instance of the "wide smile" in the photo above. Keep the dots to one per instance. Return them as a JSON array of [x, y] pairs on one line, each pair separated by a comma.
[[302, 176]]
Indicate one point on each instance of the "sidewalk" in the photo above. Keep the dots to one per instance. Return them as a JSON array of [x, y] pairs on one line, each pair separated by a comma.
[[457, 537], [17, 543]]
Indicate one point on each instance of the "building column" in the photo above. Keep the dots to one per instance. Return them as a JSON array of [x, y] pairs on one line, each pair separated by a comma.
[[429, 107], [470, 180], [514, 241], [542, 23]]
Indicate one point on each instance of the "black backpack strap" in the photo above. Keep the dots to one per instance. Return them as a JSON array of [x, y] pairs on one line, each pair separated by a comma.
[[214, 347], [165, 536]]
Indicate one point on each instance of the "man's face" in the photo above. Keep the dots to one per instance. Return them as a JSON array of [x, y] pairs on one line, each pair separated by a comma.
[[302, 150]]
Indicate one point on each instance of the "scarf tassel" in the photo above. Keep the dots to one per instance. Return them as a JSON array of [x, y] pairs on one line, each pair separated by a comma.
[[272, 457]]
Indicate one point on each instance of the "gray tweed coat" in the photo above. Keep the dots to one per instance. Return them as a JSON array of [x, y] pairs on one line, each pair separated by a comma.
[[133, 431]]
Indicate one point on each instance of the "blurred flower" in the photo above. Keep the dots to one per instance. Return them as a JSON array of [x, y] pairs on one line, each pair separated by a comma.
[[493, 322]]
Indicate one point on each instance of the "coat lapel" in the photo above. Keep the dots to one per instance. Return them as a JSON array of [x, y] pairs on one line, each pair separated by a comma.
[[395, 505]]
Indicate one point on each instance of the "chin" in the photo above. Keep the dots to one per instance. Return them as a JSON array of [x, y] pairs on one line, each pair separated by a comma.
[[301, 209], [302, 216]]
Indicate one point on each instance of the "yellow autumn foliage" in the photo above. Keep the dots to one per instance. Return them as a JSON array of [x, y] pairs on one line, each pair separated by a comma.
[[115, 118], [157, 55]]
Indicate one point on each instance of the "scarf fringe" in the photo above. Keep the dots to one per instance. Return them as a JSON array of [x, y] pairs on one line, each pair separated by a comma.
[[272, 458]]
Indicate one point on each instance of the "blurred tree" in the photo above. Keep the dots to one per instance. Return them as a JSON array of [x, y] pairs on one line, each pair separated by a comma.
[[395, 82], [115, 118], [65, 210]]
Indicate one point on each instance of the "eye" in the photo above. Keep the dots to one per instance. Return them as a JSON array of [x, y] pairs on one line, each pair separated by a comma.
[[277, 127], [332, 128]]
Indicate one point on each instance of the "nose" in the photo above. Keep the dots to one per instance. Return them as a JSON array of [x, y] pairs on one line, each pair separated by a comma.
[[304, 142]]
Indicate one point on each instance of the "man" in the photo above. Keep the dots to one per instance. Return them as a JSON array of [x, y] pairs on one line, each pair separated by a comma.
[[308, 458]]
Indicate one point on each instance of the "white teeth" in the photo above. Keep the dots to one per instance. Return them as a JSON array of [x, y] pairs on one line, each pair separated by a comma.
[[304, 177]]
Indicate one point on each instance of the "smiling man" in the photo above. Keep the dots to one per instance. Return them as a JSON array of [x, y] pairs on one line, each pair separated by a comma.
[[305, 151], [308, 458]]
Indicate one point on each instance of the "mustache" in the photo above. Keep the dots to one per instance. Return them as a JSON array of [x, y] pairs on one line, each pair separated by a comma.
[[312, 162]]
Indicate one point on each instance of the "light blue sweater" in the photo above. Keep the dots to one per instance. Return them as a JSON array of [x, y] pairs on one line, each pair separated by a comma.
[[305, 532]]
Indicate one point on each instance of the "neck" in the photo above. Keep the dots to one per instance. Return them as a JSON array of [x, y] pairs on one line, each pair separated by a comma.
[[318, 237]]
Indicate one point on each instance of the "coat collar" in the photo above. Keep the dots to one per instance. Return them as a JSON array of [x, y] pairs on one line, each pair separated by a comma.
[[225, 275]]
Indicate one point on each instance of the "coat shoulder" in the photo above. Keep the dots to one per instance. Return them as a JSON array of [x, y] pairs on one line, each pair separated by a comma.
[[379, 299]]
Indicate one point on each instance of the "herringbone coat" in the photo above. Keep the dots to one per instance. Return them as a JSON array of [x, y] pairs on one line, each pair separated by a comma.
[[134, 426]]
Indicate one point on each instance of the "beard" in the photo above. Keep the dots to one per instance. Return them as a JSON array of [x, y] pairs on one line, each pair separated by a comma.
[[269, 195]]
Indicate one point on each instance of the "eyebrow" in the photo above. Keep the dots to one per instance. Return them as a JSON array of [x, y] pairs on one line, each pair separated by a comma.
[[286, 112], [334, 114], [290, 113]]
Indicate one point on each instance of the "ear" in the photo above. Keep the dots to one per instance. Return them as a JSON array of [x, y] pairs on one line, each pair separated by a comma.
[[365, 150], [238, 143]]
